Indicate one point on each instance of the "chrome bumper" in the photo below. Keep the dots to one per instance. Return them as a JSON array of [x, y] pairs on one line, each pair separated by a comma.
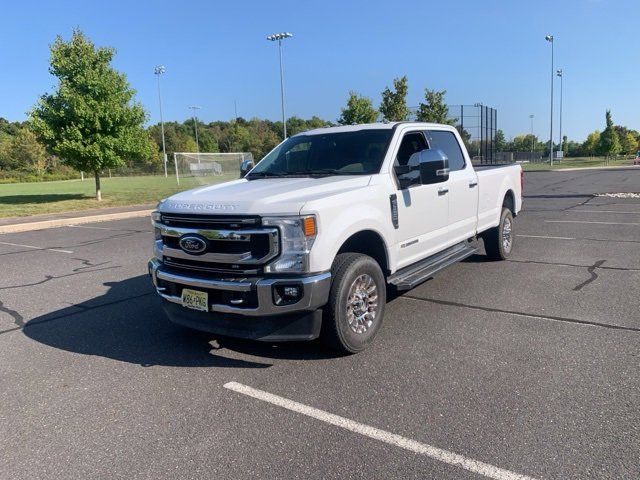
[[315, 291]]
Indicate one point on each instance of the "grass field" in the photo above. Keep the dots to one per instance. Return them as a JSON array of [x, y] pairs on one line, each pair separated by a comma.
[[22, 199], [578, 162]]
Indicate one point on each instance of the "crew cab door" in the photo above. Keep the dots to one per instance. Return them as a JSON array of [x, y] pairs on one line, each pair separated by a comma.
[[422, 209], [463, 186]]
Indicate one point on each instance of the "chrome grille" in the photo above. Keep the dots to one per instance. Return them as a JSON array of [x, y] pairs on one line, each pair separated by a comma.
[[233, 244]]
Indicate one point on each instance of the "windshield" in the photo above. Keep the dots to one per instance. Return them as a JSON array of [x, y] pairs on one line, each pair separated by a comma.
[[347, 153]]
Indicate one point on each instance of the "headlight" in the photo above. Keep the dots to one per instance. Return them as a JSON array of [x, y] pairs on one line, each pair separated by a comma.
[[156, 217], [297, 235]]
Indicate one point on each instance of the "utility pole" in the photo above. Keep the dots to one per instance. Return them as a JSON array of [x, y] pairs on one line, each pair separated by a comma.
[[549, 38], [279, 37], [159, 70], [532, 138], [559, 73], [195, 109]]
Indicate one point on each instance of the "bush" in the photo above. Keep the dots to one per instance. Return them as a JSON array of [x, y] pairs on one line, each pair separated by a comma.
[[17, 176]]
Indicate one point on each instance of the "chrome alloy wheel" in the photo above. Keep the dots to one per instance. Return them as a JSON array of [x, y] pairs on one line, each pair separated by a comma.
[[362, 303], [507, 235]]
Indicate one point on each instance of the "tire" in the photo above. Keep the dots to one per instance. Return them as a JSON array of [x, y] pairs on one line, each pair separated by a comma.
[[347, 324], [498, 242]]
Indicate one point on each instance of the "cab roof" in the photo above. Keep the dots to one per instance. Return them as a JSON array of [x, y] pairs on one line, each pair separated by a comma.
[[371, 126]]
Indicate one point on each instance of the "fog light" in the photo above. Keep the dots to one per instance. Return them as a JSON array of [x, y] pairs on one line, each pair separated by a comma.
[[286, 294]]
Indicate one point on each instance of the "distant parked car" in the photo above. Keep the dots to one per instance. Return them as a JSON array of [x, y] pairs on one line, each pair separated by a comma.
[[636, 161]]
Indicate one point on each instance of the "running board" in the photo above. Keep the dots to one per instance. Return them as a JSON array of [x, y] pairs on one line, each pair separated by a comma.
[[415, 274]]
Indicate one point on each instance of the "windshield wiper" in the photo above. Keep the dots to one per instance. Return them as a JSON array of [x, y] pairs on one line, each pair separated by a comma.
[[320, 171], [267, 174]]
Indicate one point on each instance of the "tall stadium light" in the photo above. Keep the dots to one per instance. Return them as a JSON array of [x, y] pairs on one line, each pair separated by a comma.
[[279, 37], [159, 70], [559, 74], [549, 38], [195, 109], [531, 117]]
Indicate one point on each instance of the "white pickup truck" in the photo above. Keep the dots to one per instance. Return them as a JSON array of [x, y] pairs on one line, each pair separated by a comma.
[[307, 243]]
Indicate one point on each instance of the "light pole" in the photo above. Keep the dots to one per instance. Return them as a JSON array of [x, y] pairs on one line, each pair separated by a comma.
[[195, 109], [159, 70], [549, 38], [559, 73], [531, 117], [279, 37]]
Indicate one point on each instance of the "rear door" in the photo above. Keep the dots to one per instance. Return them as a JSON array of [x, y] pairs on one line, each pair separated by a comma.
[[422, 209], [463, 186]]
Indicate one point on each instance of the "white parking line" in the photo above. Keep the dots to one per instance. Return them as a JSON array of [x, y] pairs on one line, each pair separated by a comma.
[[599, 223], [546, 236], [435, 453], [36, 248], [606, 211]]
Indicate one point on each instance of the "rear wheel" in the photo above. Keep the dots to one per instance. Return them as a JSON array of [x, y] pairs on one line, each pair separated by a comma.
[[354, 314], [498, 242]]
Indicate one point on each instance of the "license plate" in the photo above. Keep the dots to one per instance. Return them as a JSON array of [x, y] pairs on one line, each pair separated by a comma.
[[195, 300]]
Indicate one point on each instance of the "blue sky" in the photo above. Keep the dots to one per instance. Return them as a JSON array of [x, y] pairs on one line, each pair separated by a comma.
[[479, 51]]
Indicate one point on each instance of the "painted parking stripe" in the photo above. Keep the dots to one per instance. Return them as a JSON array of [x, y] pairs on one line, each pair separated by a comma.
[[36, 248], [435, 453], [598, 223], [546, 236], [606, 211]]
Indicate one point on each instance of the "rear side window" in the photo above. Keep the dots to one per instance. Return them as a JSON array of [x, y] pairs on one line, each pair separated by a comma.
[[448, 143]]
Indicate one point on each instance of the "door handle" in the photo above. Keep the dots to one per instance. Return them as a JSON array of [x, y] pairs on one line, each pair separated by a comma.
[[443, 191], [473, 183]]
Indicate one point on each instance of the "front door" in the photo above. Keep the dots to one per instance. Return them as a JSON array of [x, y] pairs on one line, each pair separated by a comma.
[[463, 186], [422, 209]]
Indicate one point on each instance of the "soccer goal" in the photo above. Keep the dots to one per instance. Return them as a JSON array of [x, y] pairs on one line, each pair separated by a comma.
[[205, 168]]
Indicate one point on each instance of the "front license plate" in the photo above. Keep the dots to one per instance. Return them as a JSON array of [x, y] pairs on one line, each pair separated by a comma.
[[195, 300]]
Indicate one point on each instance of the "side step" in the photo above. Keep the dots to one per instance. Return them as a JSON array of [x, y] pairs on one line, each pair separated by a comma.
[[415, 274]]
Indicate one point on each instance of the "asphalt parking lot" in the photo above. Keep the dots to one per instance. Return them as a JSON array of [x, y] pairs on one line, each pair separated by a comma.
[[529, 366]]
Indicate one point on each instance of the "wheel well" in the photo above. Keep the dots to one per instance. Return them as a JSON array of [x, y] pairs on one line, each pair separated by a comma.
[[510, 202], [368, 243]]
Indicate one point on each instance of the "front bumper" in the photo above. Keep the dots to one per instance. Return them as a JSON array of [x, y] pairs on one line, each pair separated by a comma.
[[259, 319]]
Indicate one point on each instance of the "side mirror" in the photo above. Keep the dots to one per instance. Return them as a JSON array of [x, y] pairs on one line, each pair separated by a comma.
[[245, 167], [433, 166]]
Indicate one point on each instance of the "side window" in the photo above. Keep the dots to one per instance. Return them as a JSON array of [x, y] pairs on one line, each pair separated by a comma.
[[448, 143], [411, 143]]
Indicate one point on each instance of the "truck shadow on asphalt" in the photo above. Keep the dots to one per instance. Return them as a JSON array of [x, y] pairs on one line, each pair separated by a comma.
[[128, 324]]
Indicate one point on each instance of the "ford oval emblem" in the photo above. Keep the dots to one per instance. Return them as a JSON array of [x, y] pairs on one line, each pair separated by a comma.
[[191, 244]]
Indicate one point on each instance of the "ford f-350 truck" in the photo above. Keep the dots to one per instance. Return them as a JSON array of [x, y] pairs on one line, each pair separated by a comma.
[[307, 243]]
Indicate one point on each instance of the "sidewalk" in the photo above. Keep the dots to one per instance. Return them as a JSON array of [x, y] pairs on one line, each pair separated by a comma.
[[37, 222]]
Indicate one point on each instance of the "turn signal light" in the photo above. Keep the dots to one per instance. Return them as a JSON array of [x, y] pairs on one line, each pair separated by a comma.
[[309, 226]]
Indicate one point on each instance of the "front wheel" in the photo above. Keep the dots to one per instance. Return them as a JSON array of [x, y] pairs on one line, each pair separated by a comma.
[[498, 242], [354, 314]]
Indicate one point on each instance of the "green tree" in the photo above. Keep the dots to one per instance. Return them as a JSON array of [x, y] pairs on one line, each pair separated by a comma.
[[91, 121], [394, 103], [359, 109], [609, 144], [590, 145], [27, 152], [500, 141], [434, 109], [629, 143]]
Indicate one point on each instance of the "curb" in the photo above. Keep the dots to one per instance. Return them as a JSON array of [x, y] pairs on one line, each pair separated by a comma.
[[65, 222]]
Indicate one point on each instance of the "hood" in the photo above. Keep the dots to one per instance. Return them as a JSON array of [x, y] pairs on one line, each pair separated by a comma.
[[265, 196]]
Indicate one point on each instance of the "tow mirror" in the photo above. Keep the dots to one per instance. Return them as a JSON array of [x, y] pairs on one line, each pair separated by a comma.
[[433, 166], [245, 167]]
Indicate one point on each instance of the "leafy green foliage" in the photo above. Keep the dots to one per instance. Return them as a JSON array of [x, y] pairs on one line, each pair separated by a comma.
[[91, 121], [590, 145], [609, 144], [500, 141], [433, 109], [359, 110], [394, 103]]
